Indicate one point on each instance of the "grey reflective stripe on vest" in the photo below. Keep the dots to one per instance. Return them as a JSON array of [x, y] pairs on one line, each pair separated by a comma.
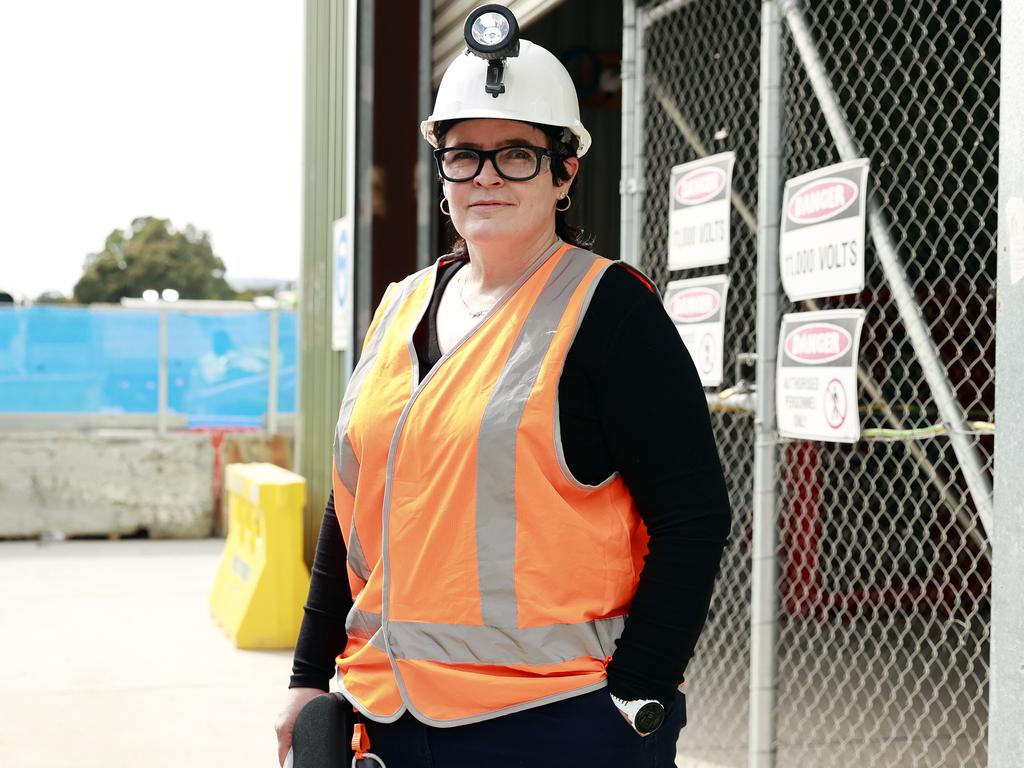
[[470, 644], [345, 461], [496, 451], [344, 457], [356, 558], [556, 435], [355, 384], [532, 646], [362, 624]]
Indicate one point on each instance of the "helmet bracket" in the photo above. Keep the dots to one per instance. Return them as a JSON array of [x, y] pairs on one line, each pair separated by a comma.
[[495, 74]]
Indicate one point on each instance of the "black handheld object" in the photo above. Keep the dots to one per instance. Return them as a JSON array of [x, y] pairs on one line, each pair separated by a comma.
[[322, 737]]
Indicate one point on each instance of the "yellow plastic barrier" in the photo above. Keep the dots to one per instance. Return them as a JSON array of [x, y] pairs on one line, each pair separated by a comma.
[[262, 579]]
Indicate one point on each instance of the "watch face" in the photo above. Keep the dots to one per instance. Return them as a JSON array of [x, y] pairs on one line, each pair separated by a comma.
[[649, 718]]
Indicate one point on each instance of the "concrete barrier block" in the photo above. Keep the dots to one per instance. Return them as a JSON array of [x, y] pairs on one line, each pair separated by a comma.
[[106, 483]]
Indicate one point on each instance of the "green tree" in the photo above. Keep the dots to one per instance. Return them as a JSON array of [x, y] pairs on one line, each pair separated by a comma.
[[153, 255], [51, 297]]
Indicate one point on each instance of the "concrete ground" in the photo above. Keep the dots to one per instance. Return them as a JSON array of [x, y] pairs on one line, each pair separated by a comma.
[[108, 657]]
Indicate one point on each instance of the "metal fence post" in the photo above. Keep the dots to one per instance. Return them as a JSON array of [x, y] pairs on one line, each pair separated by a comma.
[[161, 383], [764, 607], [272, 371], [1006, 692], [631, 185], [627, 181], [950, 411]]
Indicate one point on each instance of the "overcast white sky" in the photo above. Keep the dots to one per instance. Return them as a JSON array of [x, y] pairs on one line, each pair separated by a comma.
[[110, 109]]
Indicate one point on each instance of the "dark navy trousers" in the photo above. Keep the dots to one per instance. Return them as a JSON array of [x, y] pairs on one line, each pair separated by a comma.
[[584, 730]]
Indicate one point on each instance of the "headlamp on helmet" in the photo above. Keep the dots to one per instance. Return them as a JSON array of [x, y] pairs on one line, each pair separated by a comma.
[[492, 33]]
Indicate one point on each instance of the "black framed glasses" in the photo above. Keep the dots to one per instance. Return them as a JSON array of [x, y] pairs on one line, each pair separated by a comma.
[[511, 163]]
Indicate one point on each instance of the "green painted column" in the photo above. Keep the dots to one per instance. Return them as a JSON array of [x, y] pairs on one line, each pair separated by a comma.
[[321, 370]]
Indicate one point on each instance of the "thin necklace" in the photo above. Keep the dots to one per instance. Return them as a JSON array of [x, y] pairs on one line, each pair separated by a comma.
[[474, 313]]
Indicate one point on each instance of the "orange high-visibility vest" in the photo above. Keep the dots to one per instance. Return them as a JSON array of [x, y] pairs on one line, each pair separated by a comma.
[[485, 578]]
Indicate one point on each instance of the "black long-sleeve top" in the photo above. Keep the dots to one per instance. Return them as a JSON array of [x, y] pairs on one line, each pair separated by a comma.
[[630, 401]]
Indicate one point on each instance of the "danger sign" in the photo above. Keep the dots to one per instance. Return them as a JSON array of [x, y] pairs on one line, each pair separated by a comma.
[[697, 307], [821, 245], [699, 212], [816, 375]]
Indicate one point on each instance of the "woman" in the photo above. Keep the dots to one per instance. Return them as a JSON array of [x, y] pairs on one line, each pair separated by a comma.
[[526, 483]]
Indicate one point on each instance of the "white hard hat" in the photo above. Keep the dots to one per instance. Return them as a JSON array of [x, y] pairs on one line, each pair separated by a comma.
[[538, 89]]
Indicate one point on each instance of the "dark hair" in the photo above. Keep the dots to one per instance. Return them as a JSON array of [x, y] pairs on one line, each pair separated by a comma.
[[565, 144]]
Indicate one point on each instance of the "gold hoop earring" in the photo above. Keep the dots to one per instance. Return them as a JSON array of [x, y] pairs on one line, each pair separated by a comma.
[[568, 204], [446, 211]]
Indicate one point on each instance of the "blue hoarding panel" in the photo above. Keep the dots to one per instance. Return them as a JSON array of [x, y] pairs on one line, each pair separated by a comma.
[[79, 360]]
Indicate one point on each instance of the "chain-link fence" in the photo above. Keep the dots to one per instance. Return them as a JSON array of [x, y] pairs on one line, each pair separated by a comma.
[[884, 640], [883, 564], [700, 82]]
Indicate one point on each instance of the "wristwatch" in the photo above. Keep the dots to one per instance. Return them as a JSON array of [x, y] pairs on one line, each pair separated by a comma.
[[645, 715]]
